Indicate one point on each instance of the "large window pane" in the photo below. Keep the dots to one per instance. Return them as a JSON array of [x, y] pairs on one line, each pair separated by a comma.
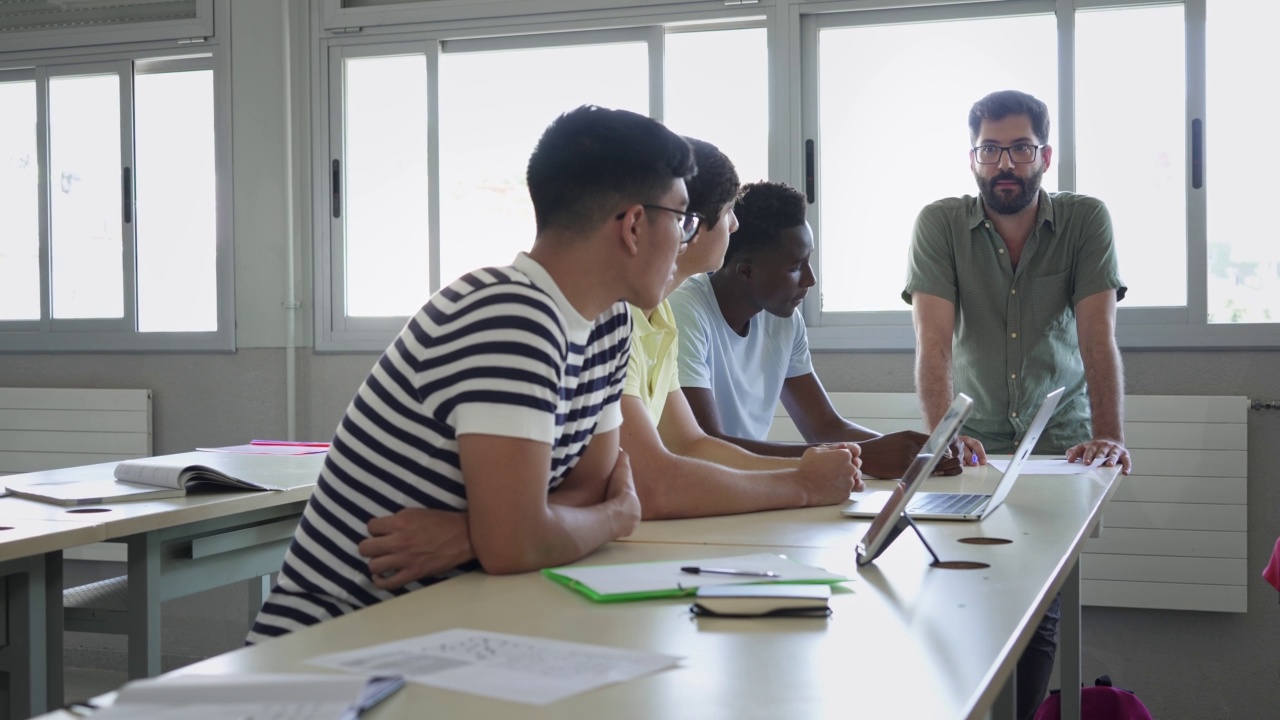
[[894, 107], [493, 108], [20, 188], [176, 202], [1244, 247], [386, 205], [1131, 142], [716, 91], [87, 273]]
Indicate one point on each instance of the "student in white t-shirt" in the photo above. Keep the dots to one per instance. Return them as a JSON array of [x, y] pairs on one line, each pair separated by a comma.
[[743, 345]]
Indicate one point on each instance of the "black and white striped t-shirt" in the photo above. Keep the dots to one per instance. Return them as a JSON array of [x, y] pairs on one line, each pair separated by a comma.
[[499, 352]]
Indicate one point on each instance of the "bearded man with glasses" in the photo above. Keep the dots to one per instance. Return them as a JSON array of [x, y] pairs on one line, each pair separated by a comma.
[[1013, 294]]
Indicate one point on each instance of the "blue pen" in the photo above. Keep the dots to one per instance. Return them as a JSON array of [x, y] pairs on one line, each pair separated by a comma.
[[375, 690]]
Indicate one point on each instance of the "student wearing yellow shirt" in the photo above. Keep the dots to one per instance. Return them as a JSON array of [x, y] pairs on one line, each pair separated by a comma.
[[679, 470]]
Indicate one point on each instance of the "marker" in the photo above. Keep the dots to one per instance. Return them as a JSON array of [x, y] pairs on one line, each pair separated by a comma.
[[726, 571]]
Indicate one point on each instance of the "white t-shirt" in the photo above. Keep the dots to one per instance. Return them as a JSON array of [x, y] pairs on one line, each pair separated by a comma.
[[745, 374]]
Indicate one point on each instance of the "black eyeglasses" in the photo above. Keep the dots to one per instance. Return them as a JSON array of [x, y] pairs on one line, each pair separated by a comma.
[[1020, 154], [688, 222]]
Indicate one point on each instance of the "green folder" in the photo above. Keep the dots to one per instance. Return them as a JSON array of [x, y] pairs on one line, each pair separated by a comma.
[[642, 581]]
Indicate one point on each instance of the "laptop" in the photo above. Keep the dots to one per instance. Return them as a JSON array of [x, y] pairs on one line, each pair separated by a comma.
[[964, 506], [890, 520]]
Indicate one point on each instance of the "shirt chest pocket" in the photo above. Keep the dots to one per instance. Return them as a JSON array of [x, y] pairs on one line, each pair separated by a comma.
[[1051, 300]]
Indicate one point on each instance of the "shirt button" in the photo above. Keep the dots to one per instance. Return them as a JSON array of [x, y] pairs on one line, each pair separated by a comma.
[[1013, 291], [1013, 335], [1014, 415], [1001, 251], [988, 224], [1013, 376]]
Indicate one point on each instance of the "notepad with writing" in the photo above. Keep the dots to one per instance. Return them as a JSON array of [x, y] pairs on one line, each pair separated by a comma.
[[639, 581], [771, 600], [152, 478]]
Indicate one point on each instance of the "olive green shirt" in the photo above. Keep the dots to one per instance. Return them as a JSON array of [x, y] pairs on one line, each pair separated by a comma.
[[1015, 331]]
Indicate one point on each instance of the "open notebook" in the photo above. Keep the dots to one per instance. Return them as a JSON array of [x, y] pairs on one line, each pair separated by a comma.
[[966, 506]]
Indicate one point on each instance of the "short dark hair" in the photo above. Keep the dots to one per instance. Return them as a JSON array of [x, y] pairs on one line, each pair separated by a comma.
[[591, 159], [764, 210], [1001, 104], [716, 183]]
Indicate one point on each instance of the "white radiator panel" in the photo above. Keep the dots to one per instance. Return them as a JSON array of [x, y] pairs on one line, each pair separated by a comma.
[[49, 428]]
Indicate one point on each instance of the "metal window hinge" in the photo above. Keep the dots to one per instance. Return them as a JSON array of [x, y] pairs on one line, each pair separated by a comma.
[[740, 2], [345, 31], [192, 41]]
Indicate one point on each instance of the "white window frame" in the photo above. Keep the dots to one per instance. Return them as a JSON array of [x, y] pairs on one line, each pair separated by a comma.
[[178, 50]]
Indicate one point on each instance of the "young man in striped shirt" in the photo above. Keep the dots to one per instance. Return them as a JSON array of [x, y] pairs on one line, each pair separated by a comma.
[[503, 388]]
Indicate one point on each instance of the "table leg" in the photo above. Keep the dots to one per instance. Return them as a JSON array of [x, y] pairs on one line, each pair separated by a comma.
[[144, 606]]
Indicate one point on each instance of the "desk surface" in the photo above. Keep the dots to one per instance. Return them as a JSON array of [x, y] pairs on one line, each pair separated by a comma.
[[1035, 499], [22, 538], [296, 473], [905, 640]]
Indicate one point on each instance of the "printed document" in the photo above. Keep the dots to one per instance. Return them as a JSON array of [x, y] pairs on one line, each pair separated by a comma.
[[516, 668]]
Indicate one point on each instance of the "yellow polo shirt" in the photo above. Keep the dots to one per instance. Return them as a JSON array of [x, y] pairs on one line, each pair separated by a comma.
[[652, 371]]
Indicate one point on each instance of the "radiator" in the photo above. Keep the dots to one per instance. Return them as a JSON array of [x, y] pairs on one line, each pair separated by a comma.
[[50, 428], [1175, 533]]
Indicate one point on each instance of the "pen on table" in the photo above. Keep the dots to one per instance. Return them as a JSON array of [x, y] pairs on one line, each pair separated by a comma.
[[692, 570], [376, 689]]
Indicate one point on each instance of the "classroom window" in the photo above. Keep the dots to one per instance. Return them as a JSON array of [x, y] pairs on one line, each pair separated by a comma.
[[20, 185], [424, 179], [887, 152], [119, 159], [1131, 142], [708, 96], [1243, 251], [1153, 119]]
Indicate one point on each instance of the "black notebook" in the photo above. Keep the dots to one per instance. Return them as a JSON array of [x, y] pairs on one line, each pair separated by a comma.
[[769, 600]]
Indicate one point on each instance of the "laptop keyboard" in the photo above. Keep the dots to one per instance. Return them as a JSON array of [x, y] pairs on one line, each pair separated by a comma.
[[949, 503]]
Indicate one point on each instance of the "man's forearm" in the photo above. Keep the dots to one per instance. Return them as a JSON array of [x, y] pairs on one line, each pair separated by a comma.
[[1104, 374], [933, 384]]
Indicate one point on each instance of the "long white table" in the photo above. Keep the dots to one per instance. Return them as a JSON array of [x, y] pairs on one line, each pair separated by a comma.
[[176, 547], [905, 639]]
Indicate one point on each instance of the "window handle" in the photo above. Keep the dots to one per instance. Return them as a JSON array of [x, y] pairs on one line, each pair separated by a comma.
[[336, 189], [126, 194], [808, 170], [1197, 153]]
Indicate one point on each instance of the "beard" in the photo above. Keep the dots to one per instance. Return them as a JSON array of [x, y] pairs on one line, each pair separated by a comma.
[[1004, 203]]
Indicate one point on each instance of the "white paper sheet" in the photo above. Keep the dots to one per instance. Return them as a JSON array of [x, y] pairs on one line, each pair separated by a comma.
[[262, 696], [665, 575], [516, 668], [1045, 466]]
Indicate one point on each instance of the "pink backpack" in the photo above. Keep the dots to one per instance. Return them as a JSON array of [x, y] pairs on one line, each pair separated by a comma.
[[1103, 701]]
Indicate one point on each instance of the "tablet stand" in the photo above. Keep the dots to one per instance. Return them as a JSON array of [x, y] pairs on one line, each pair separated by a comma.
[[904, 521]]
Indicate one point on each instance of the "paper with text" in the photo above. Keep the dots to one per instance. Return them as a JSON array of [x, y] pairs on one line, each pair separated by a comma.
[[516, 668]]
